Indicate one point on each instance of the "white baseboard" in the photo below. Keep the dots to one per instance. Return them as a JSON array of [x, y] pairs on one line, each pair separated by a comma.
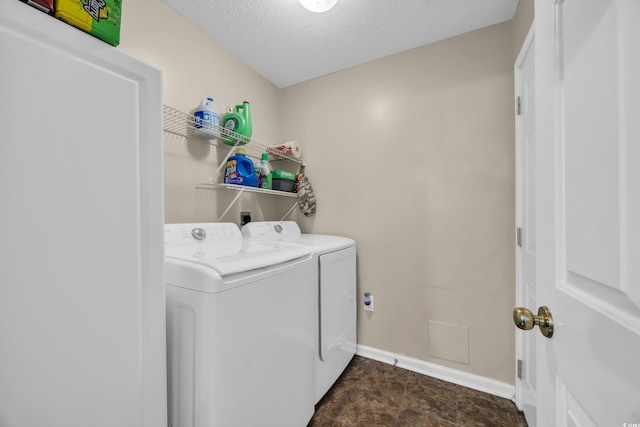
[[476, 382]]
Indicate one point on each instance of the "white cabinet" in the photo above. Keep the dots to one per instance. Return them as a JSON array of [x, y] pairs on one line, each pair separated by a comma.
[[82, 308]]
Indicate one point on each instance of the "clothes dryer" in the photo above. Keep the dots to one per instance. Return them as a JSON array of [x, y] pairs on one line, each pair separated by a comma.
[[334, 274], [239, 329]]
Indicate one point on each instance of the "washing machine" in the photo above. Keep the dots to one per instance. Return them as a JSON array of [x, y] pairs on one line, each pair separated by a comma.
[[240, 334], [334, 275]]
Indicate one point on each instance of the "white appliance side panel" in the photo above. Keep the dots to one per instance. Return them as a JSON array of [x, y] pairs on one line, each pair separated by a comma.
[[337, 289], [82, 305], [243, 357]]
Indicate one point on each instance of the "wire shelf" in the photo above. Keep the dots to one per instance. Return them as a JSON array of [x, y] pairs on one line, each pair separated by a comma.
[[183, 124], [246, 188]]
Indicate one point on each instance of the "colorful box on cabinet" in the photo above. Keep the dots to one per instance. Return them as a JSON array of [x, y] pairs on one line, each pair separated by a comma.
[[100, 18], [45, 6]]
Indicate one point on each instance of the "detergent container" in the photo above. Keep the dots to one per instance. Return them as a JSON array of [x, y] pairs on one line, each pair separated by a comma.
[[240, 170], [284, 180], [263, 172], [236, 125], [206, 120]]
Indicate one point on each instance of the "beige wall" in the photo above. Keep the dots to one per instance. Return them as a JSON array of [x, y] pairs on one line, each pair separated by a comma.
[[521, 24], [195, 67], [411, 155]]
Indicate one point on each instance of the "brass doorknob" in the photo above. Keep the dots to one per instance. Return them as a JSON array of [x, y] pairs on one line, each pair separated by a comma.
[[525, 319]]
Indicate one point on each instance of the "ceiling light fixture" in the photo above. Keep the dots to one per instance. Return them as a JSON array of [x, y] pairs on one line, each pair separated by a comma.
[[318, 6]]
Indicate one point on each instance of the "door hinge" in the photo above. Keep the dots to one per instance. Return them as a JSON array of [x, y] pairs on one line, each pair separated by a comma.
[[519, 369], [518, 108], [519, 236]]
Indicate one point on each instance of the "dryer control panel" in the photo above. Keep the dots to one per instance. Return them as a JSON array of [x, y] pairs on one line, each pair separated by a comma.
[[176, 234], [271, 230]]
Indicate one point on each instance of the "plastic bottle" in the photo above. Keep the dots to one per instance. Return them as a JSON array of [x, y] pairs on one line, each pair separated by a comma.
[[264, 175], [257, 168], [237, 122], [240, 170], [207, 120]]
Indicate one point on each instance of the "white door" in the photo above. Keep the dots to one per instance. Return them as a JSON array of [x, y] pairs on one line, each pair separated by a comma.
[[588, 216], [526, 223], [82, 313]]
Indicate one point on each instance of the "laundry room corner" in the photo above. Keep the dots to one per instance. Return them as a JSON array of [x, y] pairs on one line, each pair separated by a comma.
[[412, 157]]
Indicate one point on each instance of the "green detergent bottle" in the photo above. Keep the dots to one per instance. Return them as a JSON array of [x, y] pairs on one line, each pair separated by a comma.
[[237, 125]]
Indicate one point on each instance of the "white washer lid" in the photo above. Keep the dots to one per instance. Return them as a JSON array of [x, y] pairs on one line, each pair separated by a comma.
[[220, 247], [236, 257]]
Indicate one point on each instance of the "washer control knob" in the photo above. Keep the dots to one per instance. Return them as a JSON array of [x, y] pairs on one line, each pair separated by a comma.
[[199, 233], [278, 228]]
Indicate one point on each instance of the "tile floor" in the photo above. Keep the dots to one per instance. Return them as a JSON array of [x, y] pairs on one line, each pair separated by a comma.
[[370, 394]]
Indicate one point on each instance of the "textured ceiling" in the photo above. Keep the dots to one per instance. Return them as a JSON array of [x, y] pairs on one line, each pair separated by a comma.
[[288, 44]]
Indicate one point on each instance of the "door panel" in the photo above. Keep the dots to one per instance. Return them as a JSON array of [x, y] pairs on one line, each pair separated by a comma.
[[587, 63], [526, 220], [594, 188], [598, 191]]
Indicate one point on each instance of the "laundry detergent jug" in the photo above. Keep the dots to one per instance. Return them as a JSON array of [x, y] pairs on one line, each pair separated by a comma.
[[236, 125], [240, 170], [263, 172], [206, 120]]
